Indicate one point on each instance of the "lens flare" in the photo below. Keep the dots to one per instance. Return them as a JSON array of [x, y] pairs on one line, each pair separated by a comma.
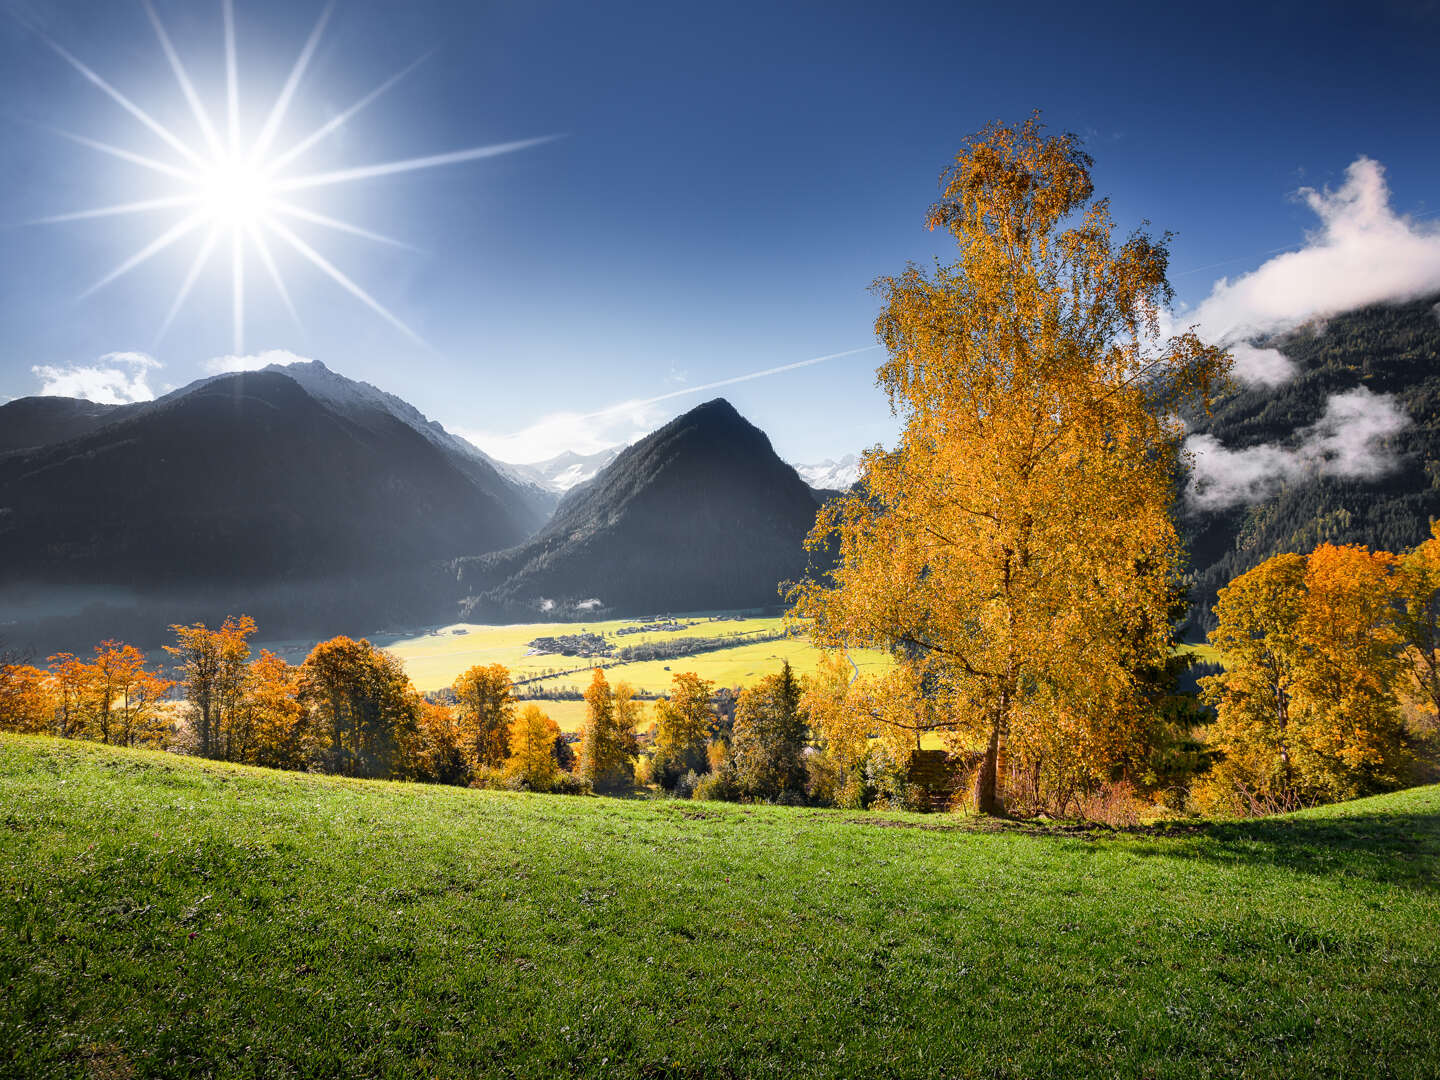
[[228, 191]]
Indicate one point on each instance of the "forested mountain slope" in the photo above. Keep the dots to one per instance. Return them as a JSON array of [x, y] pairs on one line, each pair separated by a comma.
[[1389, 350]]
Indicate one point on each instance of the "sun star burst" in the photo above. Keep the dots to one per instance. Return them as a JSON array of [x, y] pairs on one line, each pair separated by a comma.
[[234, 192]]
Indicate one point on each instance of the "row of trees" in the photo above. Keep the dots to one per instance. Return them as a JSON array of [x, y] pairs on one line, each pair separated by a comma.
[[349, 709]]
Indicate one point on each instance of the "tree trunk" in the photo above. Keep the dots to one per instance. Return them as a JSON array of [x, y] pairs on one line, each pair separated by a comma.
[[986, 799]]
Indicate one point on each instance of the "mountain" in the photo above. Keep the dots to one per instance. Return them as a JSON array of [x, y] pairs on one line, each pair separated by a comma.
[[564, 471], [829, 475], [353, 398], [700, 514], [1348, 481], [318, 504], [32, 422]]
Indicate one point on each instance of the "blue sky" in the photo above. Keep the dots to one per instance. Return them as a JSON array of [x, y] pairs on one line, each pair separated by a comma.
[[730, 179]]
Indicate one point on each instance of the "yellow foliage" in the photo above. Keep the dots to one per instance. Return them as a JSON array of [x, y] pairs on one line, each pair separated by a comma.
[[1306, 708], [486, 708], [1015, 552], [532, 749]]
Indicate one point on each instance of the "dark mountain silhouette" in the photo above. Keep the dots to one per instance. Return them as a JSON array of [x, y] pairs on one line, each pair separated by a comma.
[[248, 488], [700, 514], [33, 422], [1391, 349]]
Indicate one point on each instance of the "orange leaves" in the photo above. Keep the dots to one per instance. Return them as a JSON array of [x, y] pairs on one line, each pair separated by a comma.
[[486, 710], [1306, 705], [27, 699], [532, 749], [1016, 551]]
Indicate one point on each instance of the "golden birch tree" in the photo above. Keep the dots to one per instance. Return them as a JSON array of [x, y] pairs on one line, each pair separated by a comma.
[[1015, 551]]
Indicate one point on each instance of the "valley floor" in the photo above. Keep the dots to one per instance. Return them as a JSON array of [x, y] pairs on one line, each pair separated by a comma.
[[163, 916]]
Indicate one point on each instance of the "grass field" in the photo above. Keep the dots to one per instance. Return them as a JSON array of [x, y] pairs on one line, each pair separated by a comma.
[[433, 659], [166, 917]]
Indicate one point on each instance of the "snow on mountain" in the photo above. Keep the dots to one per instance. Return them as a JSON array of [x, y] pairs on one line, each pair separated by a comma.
[[830, 475], [567, 470]]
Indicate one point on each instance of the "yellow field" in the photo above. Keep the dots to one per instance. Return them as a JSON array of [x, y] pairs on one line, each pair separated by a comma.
[[435, 658]]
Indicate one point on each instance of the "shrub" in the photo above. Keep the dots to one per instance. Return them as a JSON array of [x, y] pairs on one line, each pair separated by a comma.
[[718, 786], [686, 785]]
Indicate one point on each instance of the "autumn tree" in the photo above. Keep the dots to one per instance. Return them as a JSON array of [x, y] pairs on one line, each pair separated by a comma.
[[684, 723], [435, 751], [486, 708], [768, 744], [363, 704], [1418, 625], [607, 740], [1015, 552], [1306, 705], [27, 699], [273, 726], [71, 680], [532, 749], [840, 726], [125, 697], [212, 669]]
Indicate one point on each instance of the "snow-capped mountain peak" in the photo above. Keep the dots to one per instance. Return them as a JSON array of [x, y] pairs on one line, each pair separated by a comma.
[[831, 475]]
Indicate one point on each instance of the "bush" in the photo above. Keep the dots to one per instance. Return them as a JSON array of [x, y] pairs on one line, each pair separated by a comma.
[[495, 778], [685, 786], [718, 786], [570, 784]]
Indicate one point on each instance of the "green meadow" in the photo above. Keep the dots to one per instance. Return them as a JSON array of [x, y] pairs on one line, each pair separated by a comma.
[[163, 916]]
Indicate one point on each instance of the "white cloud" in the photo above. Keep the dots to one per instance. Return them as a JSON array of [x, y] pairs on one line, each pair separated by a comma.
[[224, 365], [1363, 253], [1261, 367], [1349, 440], [117, 378], [584, 433]]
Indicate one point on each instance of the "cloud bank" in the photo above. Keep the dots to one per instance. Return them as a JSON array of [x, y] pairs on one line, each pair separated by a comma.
[[1363, 253], [118, 378], [1349, 440]]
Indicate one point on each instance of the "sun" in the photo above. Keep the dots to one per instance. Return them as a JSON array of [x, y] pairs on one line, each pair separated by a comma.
[[233, 190], [236, 193]]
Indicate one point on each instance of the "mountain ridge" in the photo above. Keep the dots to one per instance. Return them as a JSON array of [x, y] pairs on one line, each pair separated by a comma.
[[699, 514]]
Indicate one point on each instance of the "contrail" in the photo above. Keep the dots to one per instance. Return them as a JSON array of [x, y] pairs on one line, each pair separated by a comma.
[[619, 406]]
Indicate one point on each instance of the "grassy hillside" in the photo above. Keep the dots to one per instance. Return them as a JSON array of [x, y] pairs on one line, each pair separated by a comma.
[[160, 916]]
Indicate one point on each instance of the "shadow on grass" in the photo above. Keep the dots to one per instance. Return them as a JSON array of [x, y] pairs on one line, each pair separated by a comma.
[[1397, 848], [1390, 848]]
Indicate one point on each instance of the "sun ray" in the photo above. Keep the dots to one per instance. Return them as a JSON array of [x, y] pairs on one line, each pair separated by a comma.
[[291, 210], [268, 261], [127, 155], [186, 86], [201, 258], [126, 104], [232, 77], [343, 281], [237, 287], [159, 244], [169, 202], [287, 93], [277, 163], [366, 172], [230, 182]]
